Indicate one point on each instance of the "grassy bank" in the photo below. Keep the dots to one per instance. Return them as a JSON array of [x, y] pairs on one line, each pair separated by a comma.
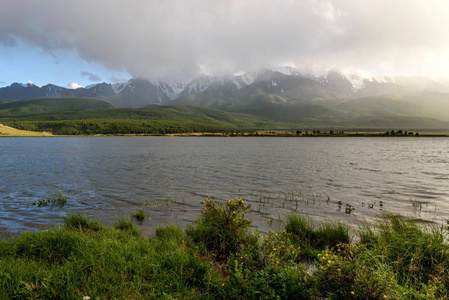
[[219, 258], [10, 131]]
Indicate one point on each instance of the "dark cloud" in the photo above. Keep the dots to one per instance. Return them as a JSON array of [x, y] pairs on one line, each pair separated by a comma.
[[170, 38], [90, 76], [7, 40]]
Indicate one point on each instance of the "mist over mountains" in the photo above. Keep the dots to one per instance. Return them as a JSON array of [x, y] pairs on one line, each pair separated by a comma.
[[280, 94]]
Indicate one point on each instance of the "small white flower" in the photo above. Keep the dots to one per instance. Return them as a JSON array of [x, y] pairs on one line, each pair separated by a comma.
[[86, 298]]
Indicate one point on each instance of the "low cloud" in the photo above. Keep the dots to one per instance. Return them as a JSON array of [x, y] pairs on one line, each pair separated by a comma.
[[165, 39], [115, 79], [74, 85], [90, 76]]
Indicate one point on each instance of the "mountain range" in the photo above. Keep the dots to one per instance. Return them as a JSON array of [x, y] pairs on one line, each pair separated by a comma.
[[277, 93]]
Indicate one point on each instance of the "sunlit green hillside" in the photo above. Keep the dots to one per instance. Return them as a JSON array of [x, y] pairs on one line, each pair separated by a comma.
[[50, 105]]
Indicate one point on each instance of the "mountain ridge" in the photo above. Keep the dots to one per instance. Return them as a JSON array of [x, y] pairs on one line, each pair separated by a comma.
[[138, 92], [278, 94]]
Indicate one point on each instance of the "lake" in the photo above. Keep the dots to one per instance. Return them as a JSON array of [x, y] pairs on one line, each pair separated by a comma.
[[110, 177]]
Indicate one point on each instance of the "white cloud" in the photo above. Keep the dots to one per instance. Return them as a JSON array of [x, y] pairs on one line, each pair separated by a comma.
[[74, 85], [31, 82], [157, 39]]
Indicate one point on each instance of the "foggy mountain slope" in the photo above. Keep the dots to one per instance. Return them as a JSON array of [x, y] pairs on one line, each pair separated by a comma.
[[280, 94]]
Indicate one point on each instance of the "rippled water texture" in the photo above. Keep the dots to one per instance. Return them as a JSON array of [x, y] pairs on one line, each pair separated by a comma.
[[109, 177]]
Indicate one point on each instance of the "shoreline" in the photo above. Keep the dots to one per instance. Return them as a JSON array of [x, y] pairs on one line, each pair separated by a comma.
[[7, 131]]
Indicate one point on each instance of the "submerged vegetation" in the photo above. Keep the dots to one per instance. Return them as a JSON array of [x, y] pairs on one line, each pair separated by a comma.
[[55, 199], [218, 257]]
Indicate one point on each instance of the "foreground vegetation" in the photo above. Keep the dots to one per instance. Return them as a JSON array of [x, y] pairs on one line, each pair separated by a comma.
[[219, 258]]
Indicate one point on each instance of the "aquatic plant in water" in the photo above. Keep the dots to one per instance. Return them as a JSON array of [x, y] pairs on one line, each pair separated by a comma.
[[59, 198]]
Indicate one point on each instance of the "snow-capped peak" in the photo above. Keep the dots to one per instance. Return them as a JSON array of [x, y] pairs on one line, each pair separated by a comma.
[[119, 87], [286, 70], [91, 86]]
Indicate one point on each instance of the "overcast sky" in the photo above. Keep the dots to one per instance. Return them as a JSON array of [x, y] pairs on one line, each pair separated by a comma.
[[86, 41]]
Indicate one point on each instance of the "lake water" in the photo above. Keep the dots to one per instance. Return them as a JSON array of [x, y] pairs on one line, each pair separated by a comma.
[[110, 177]]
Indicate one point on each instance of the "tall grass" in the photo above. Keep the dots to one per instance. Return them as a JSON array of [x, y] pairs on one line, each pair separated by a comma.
[[77, 221], [314, 238], [68, 263], [125, 224], [418, 255]]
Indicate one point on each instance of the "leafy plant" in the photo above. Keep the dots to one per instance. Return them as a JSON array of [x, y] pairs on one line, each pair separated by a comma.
[[350, 272], [222, 228]]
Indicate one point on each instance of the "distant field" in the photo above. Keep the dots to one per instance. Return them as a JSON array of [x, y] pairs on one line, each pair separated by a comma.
[[9, 131]]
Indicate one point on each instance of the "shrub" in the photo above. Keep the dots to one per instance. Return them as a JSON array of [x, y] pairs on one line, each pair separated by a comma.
[[268, 271], [222, 229], [351, 272]]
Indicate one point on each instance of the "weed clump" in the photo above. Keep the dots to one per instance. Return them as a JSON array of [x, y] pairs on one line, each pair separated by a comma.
[[222, 228], [314, 238], [59, 198], [139, 215], [351, 272], [419, 256], [269, 269], [125, 224], [78, 221]]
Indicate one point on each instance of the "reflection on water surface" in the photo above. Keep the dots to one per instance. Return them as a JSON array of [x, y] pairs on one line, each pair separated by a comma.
[[108, 177]]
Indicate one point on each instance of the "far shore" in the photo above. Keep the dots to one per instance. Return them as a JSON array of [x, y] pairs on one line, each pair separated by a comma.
[[6, 131], [9, 131]]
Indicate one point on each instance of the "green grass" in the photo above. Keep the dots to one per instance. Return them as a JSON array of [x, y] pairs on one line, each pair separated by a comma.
[[125, 224], [77, 221], [68, 263], [417, 255], [313, 238], [219, 258]]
